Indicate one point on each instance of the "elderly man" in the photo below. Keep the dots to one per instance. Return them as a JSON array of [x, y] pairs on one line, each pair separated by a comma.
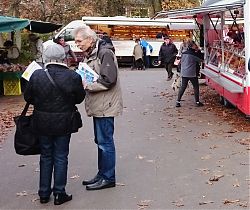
[[103, 102]]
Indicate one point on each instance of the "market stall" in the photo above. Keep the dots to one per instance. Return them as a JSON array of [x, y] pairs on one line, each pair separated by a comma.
[[226, 25], [10, 73]]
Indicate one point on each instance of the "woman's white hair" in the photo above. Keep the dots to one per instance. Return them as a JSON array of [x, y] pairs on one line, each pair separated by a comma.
[[85, 32]]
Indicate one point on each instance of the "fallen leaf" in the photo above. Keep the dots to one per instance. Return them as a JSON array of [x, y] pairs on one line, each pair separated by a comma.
[[236, 184], [75, 177], [226, 201], [35, 199], [120, 184], [205, 202], [243, 204], [215, 178], [22, 165], [23, 193], [178, 203], [140, 157], [207, 157], [143, 204]]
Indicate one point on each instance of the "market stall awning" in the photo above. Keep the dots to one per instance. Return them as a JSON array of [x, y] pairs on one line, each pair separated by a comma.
[[210, 6], [42, 27], [8, 24]]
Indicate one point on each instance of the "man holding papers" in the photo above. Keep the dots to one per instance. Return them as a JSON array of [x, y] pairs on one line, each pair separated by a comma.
[[103, 102]]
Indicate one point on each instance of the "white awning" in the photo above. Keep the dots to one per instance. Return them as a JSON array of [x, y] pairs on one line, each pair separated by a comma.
[[172, 24], [214, 7]]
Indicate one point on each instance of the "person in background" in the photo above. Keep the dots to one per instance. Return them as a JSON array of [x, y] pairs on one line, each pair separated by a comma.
[[161, 35], [12, 50], [167, 54], [106, 38], [138, 55], [52, 113], [147, 50], [36, 48], [189, 63], [103, 102], [67, 50], [183, 47]]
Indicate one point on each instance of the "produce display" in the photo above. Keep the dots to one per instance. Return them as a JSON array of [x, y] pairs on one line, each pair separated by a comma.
[[234, 57], [11, 67], [6, 65]]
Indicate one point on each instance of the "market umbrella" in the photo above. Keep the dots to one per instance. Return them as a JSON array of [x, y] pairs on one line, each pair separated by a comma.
[[8, 24], [42, 27]]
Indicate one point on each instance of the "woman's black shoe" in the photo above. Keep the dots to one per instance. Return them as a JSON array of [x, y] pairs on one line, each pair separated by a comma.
[[62, 198], [44, 199]]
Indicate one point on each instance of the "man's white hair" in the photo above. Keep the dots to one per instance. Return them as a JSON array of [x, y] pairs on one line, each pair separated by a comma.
[[85, 32]]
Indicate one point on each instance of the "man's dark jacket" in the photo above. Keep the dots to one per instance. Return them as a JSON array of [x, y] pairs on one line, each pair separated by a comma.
[[167, 53], [53, 111]]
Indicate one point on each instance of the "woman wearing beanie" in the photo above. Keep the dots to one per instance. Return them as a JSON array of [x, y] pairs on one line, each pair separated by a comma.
[[53, 108]]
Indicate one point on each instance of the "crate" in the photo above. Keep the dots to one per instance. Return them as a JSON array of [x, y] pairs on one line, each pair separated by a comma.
[[12, 87]]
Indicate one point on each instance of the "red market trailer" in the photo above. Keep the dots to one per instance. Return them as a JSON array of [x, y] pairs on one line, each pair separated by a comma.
[[226, 26]]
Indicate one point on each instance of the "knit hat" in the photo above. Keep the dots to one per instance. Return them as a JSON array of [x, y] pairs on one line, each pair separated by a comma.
[[54, 53]]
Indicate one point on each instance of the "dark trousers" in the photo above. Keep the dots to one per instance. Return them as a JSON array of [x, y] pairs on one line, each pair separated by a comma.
[[147, 61], [104, 131], [54, 156], [169, 67], [184, 83], [139, 64]]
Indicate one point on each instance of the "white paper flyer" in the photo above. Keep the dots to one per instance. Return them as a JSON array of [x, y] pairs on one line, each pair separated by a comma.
[[87, 73], [30, 70]]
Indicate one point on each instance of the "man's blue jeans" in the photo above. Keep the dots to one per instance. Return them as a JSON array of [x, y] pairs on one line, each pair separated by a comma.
[[54, 156], [104, 131]]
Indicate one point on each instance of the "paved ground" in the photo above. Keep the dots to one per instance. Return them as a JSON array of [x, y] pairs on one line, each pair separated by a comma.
[[165, 157]]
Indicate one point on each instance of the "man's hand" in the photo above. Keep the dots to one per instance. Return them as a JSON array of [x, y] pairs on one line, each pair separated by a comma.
[[84, 83]]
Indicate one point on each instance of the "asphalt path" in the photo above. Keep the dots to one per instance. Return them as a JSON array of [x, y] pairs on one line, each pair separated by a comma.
[[167, 157]]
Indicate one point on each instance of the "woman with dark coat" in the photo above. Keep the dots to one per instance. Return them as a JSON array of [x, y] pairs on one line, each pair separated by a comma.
[[53, 108], [190, 71]]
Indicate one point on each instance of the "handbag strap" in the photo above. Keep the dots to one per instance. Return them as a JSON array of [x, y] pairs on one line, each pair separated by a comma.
[[25, 109], [55, 85]]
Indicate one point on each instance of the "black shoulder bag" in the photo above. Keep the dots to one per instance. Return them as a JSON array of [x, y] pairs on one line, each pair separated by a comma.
[[76, 120], [26, 142]]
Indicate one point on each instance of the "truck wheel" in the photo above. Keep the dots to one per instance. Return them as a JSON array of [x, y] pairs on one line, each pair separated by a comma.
[[227, 104], [221, 100], [154, 62]]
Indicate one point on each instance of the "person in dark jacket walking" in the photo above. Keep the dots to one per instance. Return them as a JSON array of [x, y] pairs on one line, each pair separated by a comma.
[[190, 71], [103, 102], [167, 54], [53, 108]]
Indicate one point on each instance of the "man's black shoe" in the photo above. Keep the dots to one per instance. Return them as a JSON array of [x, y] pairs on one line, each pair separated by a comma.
[[91, 181], [44, 199], [100, 184], [62, 198]]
